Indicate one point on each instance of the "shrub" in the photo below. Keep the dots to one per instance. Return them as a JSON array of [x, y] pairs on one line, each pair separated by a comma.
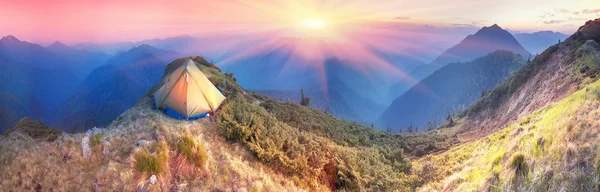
[[305, 101], [193, 152]]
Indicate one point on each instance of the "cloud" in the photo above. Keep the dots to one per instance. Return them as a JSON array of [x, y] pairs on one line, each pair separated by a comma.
[[401, 18], [561, 16], [594, 11], [547, 15], [459, 25], [553, 21], [576, 13], [478, 22]]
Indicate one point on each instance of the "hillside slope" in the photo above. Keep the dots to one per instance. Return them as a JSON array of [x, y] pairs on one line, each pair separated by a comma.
[[534, 132], [553, 75], [552, 149]]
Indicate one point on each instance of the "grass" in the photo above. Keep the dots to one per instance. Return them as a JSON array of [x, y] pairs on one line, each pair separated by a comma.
[[519, 164], [95, 140], [193, 152], [149, 163], [558, 138]]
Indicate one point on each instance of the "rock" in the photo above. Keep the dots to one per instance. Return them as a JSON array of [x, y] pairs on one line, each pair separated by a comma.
[[93, 131], [152, 180], [106, 144], [85, 147], [62, 139]]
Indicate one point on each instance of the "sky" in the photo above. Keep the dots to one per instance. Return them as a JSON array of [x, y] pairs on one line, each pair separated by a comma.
[[112, 21]]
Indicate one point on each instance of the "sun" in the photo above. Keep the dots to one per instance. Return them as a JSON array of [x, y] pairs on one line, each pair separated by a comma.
[[315, 24]]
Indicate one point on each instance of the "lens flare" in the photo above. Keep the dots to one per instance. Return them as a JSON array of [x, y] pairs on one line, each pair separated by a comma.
[[315, 23]]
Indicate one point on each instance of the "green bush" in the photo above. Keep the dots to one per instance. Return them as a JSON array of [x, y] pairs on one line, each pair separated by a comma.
[[193, 152], [306, 143]]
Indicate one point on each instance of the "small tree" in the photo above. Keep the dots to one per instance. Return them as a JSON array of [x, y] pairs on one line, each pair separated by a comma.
[[409, 129], [430, 126], [450, 121], [230, 76], [305, 101]]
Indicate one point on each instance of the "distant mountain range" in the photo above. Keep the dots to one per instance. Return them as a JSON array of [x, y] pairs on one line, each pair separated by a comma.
[[115, 64], [47, 80], [112, 88], [485, 41], [539, 41], [83, 61], [34, 81], [347, 87], [217, 47], [47, 83], [338, 94], [448, 90]]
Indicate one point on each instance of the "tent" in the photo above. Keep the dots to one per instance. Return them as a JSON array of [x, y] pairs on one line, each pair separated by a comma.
[[188, 94]]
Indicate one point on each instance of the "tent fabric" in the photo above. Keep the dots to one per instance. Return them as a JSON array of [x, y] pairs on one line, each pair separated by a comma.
[[211, 93], [196, 106], [162, 92], [188, 92]]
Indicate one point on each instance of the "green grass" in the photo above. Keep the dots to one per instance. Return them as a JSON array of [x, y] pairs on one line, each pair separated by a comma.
[[193, 152]]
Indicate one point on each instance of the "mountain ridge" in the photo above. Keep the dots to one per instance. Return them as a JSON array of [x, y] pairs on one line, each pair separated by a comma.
[[483, 42], [426, 109]]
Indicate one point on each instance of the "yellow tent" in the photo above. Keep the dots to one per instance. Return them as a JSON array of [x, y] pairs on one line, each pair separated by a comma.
[[188, 92]]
